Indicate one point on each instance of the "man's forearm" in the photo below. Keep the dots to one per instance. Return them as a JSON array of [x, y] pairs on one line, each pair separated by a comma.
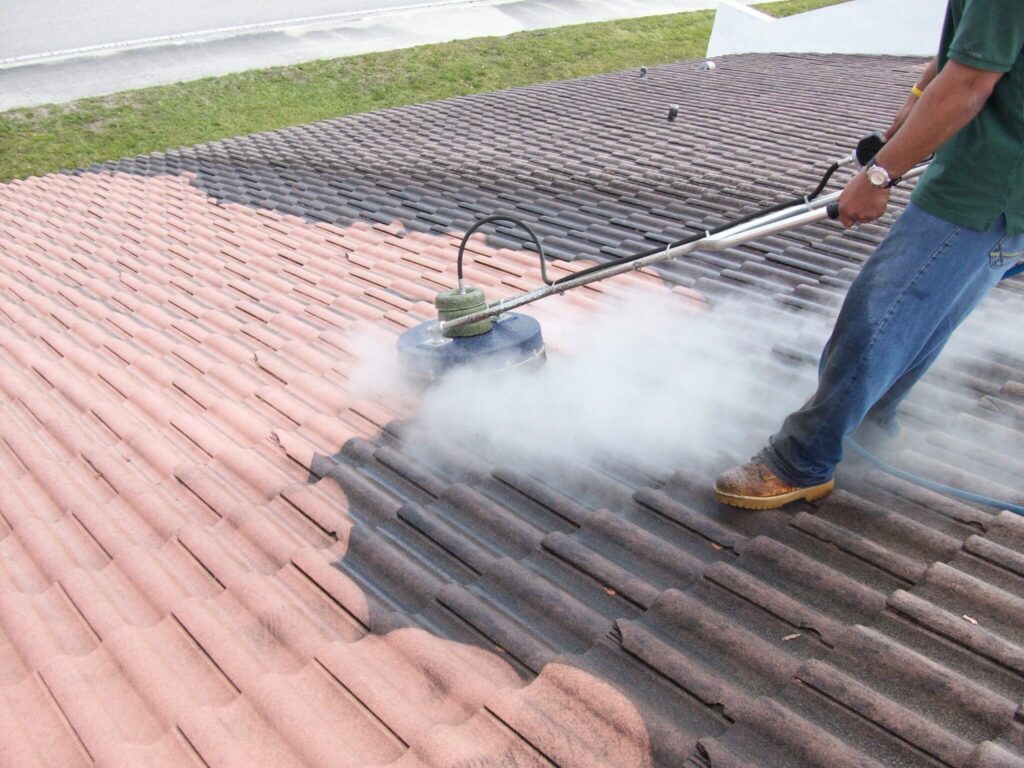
[[952, 99], [929, 74], [912, 98]]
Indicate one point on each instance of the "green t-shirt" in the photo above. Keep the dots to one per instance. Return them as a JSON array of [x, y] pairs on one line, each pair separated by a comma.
[[978, 175]]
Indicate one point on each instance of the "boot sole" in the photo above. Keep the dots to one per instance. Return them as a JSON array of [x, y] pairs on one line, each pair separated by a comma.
[[814, 493]]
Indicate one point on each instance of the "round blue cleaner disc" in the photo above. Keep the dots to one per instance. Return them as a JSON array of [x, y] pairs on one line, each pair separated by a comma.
[[514, 341]]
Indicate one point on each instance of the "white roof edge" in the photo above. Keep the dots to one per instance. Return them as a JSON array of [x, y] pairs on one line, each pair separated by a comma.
[[910, 28]]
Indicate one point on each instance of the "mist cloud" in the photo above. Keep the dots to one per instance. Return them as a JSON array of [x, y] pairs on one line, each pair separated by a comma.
[[646, 380]]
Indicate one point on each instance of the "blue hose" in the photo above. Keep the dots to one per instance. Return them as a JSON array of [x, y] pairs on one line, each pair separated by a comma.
[[931, 485]]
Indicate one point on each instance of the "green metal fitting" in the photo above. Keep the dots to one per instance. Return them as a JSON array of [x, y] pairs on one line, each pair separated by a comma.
[[458, 302]]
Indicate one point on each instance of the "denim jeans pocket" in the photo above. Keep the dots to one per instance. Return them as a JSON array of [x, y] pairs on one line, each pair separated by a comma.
[[1008, 251]]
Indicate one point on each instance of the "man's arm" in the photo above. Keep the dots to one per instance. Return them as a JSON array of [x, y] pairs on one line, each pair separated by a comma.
[[952, 100], [908, 106]]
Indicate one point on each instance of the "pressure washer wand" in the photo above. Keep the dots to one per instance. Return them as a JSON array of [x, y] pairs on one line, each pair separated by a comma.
[[772, 223], [471, 334]]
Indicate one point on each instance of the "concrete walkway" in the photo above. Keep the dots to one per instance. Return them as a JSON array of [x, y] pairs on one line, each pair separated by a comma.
[[54, 51]]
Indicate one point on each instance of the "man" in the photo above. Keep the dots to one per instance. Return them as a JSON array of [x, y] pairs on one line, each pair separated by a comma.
[[962, 231]]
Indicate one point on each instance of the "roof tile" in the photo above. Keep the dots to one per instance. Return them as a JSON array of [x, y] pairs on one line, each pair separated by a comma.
[[219, 547]]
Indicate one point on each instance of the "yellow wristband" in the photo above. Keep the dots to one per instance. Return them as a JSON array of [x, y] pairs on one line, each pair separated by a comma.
[[917, 92]]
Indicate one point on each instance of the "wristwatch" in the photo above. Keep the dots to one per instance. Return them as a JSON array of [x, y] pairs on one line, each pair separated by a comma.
[[879, 178]]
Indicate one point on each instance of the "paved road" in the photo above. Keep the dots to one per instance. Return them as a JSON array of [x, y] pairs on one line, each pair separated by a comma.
[[41, 28], [54, 51]]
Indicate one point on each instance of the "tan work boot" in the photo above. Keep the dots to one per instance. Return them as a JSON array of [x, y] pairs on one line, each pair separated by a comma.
[[754, 486]]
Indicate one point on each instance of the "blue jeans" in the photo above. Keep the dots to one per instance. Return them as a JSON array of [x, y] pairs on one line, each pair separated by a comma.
[[900, 311]]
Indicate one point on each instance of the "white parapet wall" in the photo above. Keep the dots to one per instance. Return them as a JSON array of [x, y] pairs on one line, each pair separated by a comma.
[[877, 27]]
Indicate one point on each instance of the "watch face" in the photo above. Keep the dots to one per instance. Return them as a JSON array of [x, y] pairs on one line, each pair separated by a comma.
[[878, 177]]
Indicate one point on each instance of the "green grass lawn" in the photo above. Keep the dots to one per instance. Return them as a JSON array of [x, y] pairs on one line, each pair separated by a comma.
[[43, 139]]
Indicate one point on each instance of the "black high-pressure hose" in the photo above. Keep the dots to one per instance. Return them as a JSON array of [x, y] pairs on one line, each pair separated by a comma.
[[509, 220]]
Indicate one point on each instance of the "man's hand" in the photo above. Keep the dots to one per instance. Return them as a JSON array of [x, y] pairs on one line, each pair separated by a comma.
[[861, 203], [951, 101]]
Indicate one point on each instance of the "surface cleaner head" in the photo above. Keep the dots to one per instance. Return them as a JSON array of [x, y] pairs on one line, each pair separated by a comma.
[[483, 347]]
